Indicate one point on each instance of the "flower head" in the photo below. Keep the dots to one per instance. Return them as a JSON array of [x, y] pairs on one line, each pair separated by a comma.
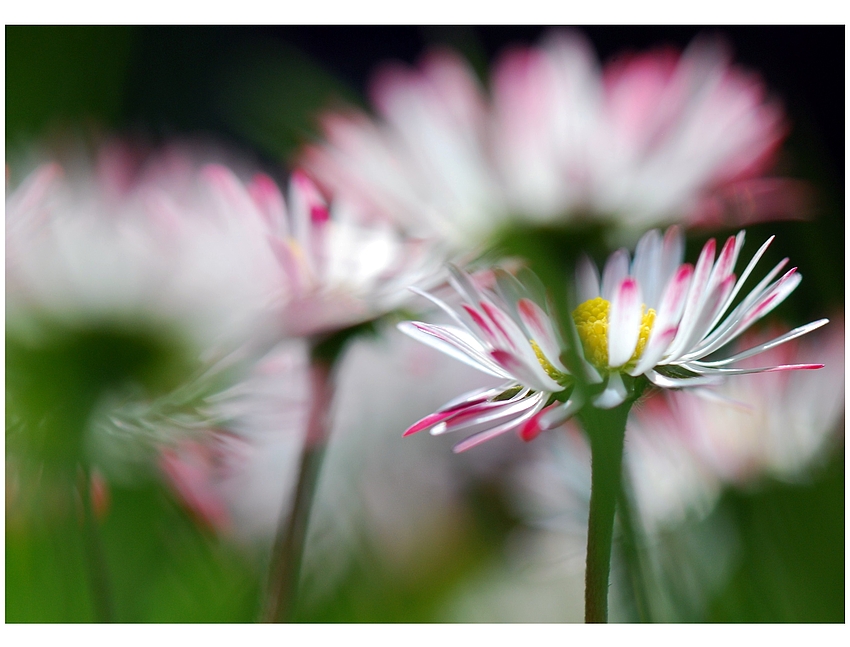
[[504, 333], [138, 240], [338, 268], [652, 317], [650, 138]]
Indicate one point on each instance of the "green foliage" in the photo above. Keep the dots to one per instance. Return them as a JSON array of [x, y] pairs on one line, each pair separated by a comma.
[[161, 566], [791, 566], [55, 380], [63, 75], [273, 95]]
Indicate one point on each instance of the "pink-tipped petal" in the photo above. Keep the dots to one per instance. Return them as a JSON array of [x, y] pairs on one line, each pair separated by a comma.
[[487, 329], [696, 297], [539, 325], [797, 332], [673, 301], [269, 200], [746, 371], [616, 270], [541, 421], [477, 439], [489, 412], [428, 421]]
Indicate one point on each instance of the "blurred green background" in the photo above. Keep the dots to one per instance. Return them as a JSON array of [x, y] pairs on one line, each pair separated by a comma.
[[259, 88]]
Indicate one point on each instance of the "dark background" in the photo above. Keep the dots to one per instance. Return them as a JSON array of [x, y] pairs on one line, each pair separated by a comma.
[[167, 79]]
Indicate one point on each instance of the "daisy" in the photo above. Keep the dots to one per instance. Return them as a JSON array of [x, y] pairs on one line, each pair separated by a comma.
[[652, 317], [137, 240], [503, 334], [655, 137], [337, 268]]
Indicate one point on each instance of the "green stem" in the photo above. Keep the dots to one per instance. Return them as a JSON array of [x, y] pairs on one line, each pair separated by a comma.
[[95, 557], [606, 431], [288, 550], [632, 549]]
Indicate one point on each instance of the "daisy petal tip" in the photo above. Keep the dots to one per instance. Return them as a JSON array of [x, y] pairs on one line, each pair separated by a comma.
[[531, 429]]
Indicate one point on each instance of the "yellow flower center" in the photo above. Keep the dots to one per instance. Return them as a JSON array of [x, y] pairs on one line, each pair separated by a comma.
[[591, 319], [551, 371]]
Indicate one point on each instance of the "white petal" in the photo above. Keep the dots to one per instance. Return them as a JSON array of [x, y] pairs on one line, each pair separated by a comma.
[[624, 323], [477, 439], [646, 267], [587, 279], [531, 375], [454, 342], [440, 304], [539, 326], [797, 332], [654, 350], [672, 253], [678, 383], [559, 415], [614, 394], [616, 269]]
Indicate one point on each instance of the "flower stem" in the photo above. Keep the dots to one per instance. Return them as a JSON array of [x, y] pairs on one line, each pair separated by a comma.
[[288, 550], [632, 548], [95, 558], [606, 431]]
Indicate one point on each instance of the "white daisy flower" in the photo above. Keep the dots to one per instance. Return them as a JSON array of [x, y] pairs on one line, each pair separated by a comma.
[[504, 335], [140, 244], [652, 138], [654, 317], [338, 268]]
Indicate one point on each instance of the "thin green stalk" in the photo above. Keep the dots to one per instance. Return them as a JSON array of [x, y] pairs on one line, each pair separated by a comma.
[[288, 550], [101, 590], [634, 559], [606, 430]]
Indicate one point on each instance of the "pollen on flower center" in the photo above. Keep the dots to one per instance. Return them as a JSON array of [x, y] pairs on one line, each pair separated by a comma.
[[591, 319], [551, 371]]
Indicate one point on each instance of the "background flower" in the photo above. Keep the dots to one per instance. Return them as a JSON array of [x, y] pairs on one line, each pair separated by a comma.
[[137, 238], [647, 139], [769, 426]]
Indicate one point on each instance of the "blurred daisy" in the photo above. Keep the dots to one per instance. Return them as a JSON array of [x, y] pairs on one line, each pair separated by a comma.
[[777, 425], [654, 317], [137, 241], [338, 268], [650, 138]]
